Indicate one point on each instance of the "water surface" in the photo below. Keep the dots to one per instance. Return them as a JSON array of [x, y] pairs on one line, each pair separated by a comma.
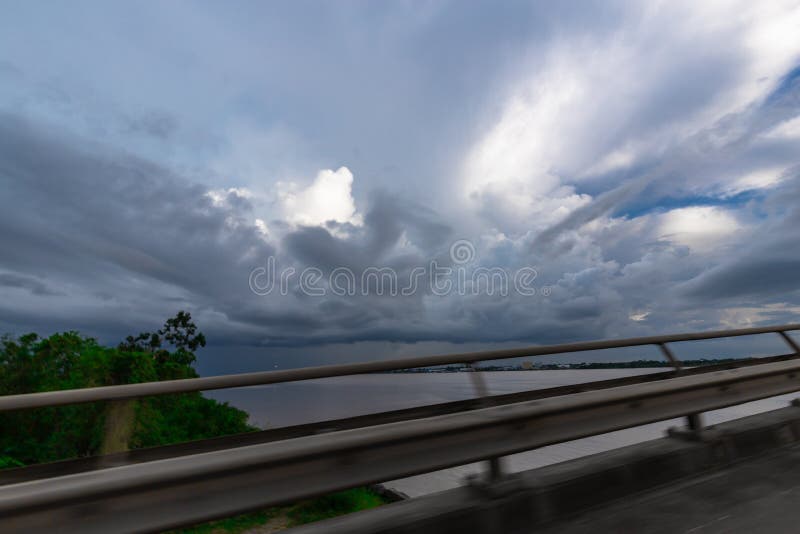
[[332, 398]]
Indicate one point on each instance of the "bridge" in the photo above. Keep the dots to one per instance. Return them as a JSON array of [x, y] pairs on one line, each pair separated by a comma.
[[151, 490]]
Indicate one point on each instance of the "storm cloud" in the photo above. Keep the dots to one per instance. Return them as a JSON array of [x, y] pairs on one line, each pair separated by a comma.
[[638, 165]]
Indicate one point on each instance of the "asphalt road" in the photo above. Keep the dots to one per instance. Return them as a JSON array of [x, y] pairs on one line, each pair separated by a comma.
[[756, 497]]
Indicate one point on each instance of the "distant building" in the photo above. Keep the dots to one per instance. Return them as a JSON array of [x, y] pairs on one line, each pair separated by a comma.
[[527, 366]]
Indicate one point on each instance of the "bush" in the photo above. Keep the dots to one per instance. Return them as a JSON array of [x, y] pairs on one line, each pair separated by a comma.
[[30, 364]]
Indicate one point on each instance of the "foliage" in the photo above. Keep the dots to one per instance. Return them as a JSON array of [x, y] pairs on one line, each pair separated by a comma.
[[232, 525], [68, 360], [7, 461], [333, 505], [179, 332]]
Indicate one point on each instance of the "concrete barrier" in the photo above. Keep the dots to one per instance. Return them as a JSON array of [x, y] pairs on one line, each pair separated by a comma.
[[545, 495]]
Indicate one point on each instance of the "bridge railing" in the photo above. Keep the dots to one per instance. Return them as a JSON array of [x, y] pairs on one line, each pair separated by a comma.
[[196, 487], [470, 359], [157, 495], [144, 389]]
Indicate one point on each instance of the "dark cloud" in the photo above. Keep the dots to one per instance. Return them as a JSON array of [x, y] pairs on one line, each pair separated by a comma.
[[764, 269], [129, 193], [126, 238], [37, 287], [100, 221], [764, 278], [387, 220]]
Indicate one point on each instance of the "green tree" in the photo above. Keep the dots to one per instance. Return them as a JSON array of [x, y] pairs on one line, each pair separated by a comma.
[[179, 332], [68, 360]]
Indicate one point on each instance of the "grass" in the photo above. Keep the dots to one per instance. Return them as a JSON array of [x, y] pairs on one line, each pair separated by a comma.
[[232, 525], [335, 504], [7, 462]]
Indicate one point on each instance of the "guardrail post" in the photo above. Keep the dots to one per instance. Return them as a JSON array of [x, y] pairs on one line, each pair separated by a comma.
[[694, 421], [789, 341], [495, 464], [670, 356]]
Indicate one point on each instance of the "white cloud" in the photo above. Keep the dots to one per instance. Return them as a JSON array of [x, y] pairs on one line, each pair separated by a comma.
[[760, 179], [513, 172], [698, 227], [328, 198], [522, 147], [761, 34], [748, 316], [262, 227], [613, 161], [789, 129], [220, 196], [602, 103], [770, 37]]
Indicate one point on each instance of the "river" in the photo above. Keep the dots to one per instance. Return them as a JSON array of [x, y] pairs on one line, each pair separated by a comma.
[[332, 398]]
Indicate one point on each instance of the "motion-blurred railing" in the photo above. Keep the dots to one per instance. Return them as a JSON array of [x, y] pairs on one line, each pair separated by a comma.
[[161, 494], [144, 389]]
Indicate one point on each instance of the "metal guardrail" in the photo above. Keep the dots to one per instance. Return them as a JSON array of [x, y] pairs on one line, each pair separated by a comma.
[[195, 487], [134, 456], [156, 495], [129, 391]]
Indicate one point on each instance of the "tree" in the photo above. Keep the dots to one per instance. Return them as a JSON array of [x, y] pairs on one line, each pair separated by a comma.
[[68, 360], [180, 332]]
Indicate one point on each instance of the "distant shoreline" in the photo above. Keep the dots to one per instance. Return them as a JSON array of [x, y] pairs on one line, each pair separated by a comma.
[[531, 366]]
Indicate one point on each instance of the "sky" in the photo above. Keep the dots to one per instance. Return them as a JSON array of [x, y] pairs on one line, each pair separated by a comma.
[[294, 174]]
